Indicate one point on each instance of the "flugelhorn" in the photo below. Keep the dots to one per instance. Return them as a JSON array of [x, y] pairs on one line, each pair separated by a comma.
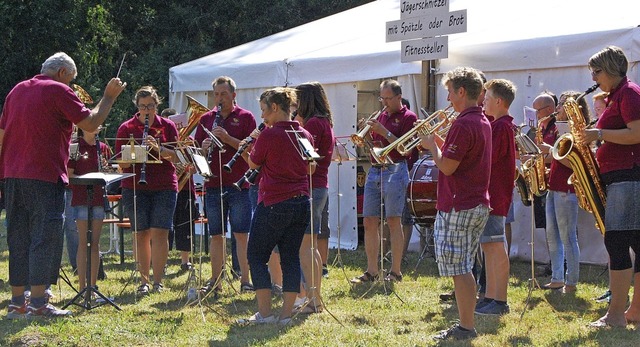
[[411, 139], [359, 138]]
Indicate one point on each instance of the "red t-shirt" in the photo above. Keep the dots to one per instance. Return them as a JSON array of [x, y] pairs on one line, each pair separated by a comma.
[[87, 162], [161, 176], [284, 172], [398, 124], [469, 142], [324, 142], [239, 124], [623, 107], [503, 165], [37, 119]]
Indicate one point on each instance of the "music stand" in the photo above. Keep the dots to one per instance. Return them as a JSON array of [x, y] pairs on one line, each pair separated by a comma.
[[89, 180], [340, 154]]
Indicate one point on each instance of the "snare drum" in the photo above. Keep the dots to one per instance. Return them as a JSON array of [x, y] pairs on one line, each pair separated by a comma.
[[422, 190]]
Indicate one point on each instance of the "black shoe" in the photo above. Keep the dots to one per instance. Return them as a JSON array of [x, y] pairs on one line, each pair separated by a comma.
[[325, 271], [448, 296], [455, 333], [101, 274]]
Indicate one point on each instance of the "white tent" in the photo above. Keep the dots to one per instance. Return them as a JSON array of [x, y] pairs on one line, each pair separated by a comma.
[[539, 45]]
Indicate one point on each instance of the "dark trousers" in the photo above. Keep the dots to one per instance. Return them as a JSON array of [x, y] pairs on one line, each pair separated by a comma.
[[283, 225]]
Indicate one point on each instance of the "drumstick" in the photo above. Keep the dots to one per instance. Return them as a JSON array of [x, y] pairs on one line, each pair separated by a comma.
[[121, 63]]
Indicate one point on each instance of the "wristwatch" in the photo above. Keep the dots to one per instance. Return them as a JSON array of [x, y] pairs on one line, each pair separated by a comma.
[[599, 134], [388, 134]]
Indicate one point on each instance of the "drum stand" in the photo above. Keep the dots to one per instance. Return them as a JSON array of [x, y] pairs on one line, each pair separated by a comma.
[[89, 180], [427, 233]]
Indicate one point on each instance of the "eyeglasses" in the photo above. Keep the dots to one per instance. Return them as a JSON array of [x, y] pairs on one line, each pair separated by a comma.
[[540, 109], [595, 72], [147, 107], [387, 98]]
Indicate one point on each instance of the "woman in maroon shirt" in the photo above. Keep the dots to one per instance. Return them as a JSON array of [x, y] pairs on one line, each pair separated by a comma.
[[87, 161], [282, 214], [618, 157]]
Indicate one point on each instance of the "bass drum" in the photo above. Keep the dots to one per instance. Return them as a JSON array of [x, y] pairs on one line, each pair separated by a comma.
[[422, 190]]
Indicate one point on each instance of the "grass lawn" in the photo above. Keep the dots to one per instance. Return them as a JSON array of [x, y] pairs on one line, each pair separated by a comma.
[[406, 314]]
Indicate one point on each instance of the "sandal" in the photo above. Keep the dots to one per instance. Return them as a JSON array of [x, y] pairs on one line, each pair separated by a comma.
[[246, 287], [393, 277], [309, 308], [365, 277], [143, 289], [207, 288], [553, 285]]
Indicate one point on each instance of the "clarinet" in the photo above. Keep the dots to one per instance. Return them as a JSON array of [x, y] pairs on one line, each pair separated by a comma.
[[107, 207], [143, 168], [248, 177], [216, 121], [248, 141]]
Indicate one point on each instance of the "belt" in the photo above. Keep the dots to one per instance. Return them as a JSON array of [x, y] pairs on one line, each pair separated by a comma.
[[382, 166]]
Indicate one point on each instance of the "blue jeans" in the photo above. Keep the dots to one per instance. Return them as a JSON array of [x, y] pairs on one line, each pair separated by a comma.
[[386, 186], [562, 236], [320, 201], [283, 225], [70, 228], [35, 213]]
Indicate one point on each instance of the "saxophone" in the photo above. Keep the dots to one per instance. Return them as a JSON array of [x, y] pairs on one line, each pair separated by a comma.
[[533, 170], [586, 174]]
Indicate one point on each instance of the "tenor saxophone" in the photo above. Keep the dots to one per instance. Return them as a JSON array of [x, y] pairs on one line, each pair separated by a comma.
[[586, 174]]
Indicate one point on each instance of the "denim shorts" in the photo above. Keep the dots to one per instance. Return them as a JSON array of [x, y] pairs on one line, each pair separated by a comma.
[[154, 209], [386, 185], [510, 215], [456, 236], [237, 210], [81, 212], [320, 201], [623, 205], [493, 230]]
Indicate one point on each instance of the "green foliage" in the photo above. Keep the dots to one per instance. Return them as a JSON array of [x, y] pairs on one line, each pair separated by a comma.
[[154, 35]]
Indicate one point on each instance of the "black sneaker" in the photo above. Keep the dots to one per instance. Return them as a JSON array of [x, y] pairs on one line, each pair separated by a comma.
[[325, 271], [456, 333], [186, 267], [448, 296], [493, 309]]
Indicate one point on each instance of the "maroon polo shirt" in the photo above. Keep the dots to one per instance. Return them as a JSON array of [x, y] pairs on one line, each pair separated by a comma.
[[239, 124], [37, 119], [469, 142], [324, 142], [503, 165], [623, 107], [160, 176], [398, 124], [284, 172], [87, 162]]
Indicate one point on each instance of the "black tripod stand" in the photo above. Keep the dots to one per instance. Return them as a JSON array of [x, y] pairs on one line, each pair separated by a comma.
[[89, 180]]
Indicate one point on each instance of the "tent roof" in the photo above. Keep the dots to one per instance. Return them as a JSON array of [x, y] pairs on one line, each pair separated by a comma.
[[350, 45], [340, 48]]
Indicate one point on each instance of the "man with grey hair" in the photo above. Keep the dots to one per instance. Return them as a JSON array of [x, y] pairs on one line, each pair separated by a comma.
[[35, 131]]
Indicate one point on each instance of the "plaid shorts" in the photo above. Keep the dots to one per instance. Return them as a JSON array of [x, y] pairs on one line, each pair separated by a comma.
[[456, 236]]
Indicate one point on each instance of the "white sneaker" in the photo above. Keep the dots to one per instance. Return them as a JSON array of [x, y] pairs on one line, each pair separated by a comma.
[[299, 302], [258, 319]]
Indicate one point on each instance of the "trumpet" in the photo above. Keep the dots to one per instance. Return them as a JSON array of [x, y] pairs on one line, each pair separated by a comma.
[[359, 138], [411, 139]]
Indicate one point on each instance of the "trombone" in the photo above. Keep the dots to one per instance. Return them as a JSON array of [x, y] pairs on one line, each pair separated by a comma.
[[411, 139]]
